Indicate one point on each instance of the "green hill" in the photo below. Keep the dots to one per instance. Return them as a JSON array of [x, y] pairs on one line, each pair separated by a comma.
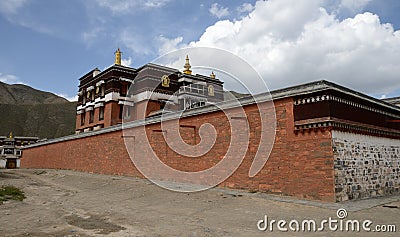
[[29, 112], [22, 94]]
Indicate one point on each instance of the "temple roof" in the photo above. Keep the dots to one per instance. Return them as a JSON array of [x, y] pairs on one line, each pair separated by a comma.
[[393, 100], [324, 85]]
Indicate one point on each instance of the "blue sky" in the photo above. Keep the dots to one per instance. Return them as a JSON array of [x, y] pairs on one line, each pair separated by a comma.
[[49, 44]]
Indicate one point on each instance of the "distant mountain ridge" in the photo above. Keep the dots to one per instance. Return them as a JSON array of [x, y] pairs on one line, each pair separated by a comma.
[[230, 95], [26, 111], [22, 94]]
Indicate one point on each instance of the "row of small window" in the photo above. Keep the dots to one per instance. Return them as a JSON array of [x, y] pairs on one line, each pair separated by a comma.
[[124, 112], [10, 151], [193, 88], [195, 105], [100, 92], [7, 143], [90, 96], [16, 143], [197, 89], [91, 116], [191, 103]]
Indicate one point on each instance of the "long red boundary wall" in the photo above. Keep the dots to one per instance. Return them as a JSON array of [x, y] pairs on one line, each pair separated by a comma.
[[300, 164]]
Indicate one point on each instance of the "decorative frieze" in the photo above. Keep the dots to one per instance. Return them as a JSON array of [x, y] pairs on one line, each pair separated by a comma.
[[320, 98], [344, 125]]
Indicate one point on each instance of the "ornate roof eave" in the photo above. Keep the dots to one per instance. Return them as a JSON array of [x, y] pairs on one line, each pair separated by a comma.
[[318, 86], [201, 78], [100, 76], [332, 123]]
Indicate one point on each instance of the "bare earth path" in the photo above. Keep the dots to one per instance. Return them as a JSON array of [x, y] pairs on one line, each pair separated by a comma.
[[66, 203]]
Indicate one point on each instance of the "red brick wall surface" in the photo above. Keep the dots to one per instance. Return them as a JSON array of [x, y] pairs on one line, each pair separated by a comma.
[[300, 164], [111, 114]]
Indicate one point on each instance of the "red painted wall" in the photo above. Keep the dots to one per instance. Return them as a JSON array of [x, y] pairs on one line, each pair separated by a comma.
[[300, 164]]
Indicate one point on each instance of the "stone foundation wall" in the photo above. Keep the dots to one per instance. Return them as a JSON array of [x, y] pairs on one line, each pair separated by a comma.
[[365, 166]]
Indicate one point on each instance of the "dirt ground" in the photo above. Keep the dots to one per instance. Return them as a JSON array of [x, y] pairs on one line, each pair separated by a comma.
[[67, 203]]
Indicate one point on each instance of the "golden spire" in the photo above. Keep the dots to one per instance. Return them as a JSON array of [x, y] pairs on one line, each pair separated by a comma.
[[118, 54], [187, 66], [212, 75], [11, 135]]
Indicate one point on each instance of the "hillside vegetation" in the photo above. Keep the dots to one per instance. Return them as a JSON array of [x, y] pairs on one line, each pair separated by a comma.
[[29, 112]]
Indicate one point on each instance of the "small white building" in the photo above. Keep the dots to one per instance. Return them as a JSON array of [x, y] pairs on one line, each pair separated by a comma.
[[11, 150]]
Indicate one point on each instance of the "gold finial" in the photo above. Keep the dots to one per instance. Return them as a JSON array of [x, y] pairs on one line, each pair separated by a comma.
[[212, 75], [11, 135], [118, 54], [187, 66]]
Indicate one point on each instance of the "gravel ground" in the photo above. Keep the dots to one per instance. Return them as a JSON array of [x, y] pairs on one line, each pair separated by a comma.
[[67, 203]]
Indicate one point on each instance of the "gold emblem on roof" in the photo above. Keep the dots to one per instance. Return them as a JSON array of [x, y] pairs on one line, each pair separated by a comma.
[[165, 81]]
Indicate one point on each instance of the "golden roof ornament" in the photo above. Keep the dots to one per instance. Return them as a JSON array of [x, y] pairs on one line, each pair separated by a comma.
[[118, 54], [212, 75], [11, 135], [187, 66]]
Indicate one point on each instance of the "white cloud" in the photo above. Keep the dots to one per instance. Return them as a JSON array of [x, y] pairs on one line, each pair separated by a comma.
[[218, 11], [69, 98], [11, 6], [168, 45], [137, 43], [126, 6], [10, 79], [73, 98], [245, 8], [155, 3], [126, 62], [89, 37], [291, 42], [354, 5], [11, 10]]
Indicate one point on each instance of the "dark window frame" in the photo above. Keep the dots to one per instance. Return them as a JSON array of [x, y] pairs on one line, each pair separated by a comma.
[[83, 119], [91, 116], [101, 113]]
